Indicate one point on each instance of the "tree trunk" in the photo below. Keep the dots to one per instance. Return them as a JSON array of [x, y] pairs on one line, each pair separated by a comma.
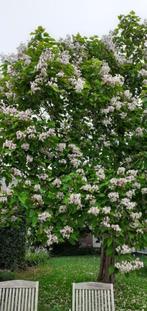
[[105, 263]]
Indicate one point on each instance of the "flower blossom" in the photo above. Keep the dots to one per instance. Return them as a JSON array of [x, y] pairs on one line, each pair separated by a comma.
[[121, 170], [139, 132], [78, 84], [25, 147], [113, 196], [25, 115], [43, 176], [64, 57], [62, 209], [57, 182], [37, 198], [3, 199], [136, 216], [37, 187], [75, 198], [106, 222], [29, 158], [94, 211], [51, 238], [100, 172], [61, 147], [9, 144], [106, 210], [66, 232], [124, 249], [17, 172], [44, 216], [144, 190], [90, 188], [128, 204], [20, 135], [125, 266], [45, 135], [116, 228]]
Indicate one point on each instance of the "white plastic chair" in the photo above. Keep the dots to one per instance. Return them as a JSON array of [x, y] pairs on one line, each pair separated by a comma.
[[92, 296], [18, 295]]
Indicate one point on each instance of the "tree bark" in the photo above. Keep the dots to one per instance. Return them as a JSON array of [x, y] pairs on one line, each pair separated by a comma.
[[106, 262]]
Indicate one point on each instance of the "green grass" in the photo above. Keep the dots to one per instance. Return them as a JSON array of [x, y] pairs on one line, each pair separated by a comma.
[[56, 276]]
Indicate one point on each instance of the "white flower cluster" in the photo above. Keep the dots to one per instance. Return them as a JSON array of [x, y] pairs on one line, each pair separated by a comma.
[[108, 78], [139, 132], [66, 232], [20, 135], [12, 111], [78, 84], [31, 131], [11, 71], [24, 115], [43, 176], [51, 238], [126, 266], [108, 41], [29, 159], [106, 210], [94, 211], [64, 57], [130, 193], [90, 188], [61, 147], [106, 222], [143, 73], [45, 57], [117, 182], [62, 209], [37, 187], [25, 146], [17, 172], [75, 156], [44, 216], [136, 216], [144, 190], [116, 228], [134, 104], [3, 199], [100, 172], [42, 65], [128, 204], [75, 198], [37, 198], [127, 94], [6, 189], [9, 144], [45, 135], [124, 249], [113, 196], [91, 199], [57, 182]]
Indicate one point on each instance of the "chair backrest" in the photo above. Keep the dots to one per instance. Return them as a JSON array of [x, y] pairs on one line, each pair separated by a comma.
[[92, 296], [18, 295]]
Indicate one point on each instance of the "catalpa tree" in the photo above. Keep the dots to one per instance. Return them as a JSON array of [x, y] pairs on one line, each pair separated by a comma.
[[73, 147]]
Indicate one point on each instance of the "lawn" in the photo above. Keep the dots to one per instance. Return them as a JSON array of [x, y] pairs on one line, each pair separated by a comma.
[[56, 276]]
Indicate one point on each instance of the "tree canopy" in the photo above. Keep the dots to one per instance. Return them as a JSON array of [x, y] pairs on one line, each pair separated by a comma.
[[73, 137]]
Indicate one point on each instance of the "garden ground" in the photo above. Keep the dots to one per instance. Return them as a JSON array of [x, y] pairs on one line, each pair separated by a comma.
[[56, 276]]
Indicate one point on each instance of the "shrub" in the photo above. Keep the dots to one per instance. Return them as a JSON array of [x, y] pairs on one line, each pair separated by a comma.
[[12, 247], [36, 258], [6, 276]]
